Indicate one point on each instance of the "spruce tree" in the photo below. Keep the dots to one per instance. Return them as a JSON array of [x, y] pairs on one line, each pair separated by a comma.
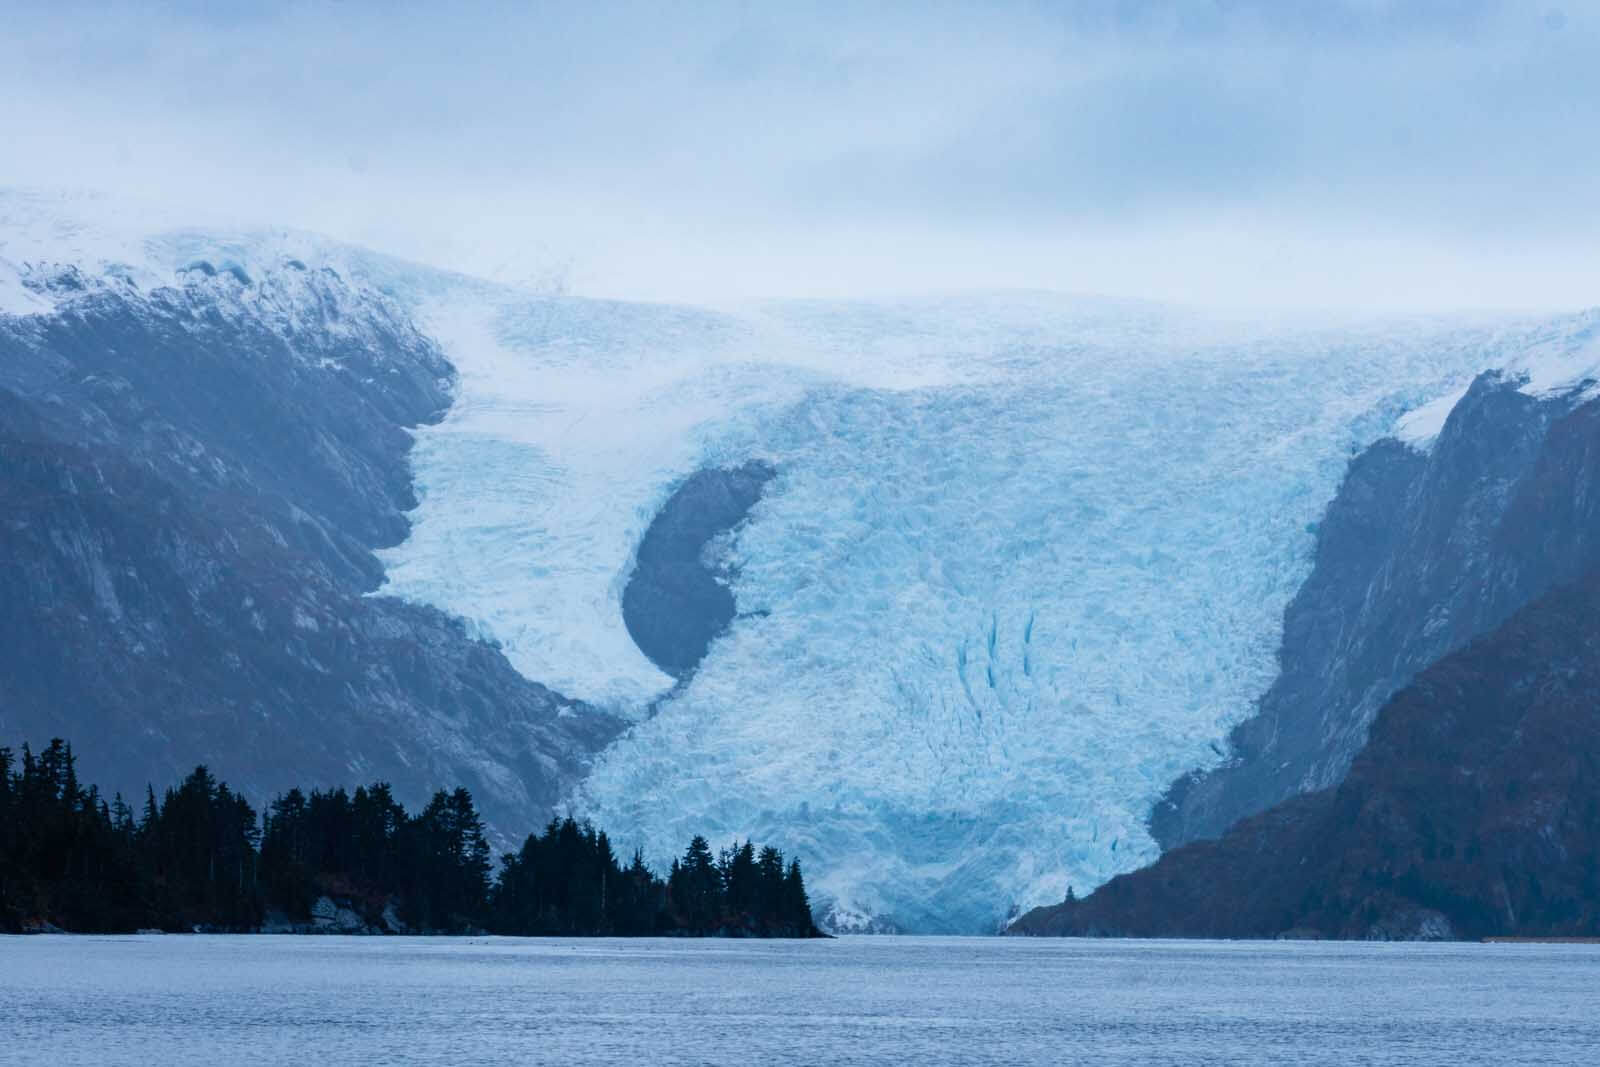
[[796, 915], [701, 904], [743, 887]]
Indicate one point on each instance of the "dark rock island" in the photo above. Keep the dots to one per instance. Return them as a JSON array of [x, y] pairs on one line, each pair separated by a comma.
[[677, 601]]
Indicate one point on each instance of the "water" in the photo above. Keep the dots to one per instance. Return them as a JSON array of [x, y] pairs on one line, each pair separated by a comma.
[[330, 1000]]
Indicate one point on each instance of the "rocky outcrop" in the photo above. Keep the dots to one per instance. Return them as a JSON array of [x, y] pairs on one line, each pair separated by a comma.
[[678, 600], [342, 915], [1473, 811], [192, 483], [1417, 554]]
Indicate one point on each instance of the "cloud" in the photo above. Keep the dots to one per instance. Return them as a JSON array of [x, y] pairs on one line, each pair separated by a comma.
[[1361, 154]]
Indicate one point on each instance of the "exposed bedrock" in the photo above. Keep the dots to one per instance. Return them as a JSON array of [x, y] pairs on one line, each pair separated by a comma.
[[192, 481], [1417, 554], [678, 600], [1473, 811]]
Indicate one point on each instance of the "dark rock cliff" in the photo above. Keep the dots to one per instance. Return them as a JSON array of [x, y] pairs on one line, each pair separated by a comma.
[[1416, 555], [677, 599], [192, 481], [1473, 811]]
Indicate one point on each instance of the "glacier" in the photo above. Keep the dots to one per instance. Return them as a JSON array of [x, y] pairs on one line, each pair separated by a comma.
[[1024, 561]]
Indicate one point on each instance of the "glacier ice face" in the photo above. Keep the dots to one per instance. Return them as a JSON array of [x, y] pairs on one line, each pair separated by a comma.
[[1024, 562]]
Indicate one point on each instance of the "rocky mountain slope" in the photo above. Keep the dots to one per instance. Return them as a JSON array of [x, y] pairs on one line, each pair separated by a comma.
[[1422, 550], [193, 480], [1473, 811]]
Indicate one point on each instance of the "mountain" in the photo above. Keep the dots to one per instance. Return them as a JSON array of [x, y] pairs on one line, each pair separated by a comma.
[[1427, 545], [940, 595], [194, 480], [1472, 811]]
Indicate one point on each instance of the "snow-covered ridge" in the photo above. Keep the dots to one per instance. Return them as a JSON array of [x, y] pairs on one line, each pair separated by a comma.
[[47, 230], [321, 321], [1559, 357], [296, 286], [314, 310]]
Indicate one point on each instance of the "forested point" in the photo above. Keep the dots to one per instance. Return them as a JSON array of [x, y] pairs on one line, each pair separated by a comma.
[[198, 858]]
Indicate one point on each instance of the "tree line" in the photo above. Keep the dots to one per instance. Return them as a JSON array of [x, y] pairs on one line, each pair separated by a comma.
[[198, 857]]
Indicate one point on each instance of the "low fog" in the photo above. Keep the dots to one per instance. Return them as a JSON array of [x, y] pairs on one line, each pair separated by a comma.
[[1359, 156]]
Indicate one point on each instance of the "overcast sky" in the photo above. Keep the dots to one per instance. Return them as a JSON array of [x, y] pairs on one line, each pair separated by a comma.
[[1367, 155]]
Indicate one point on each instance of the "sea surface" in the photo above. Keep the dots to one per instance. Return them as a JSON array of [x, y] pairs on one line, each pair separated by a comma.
[[333, 1000]]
